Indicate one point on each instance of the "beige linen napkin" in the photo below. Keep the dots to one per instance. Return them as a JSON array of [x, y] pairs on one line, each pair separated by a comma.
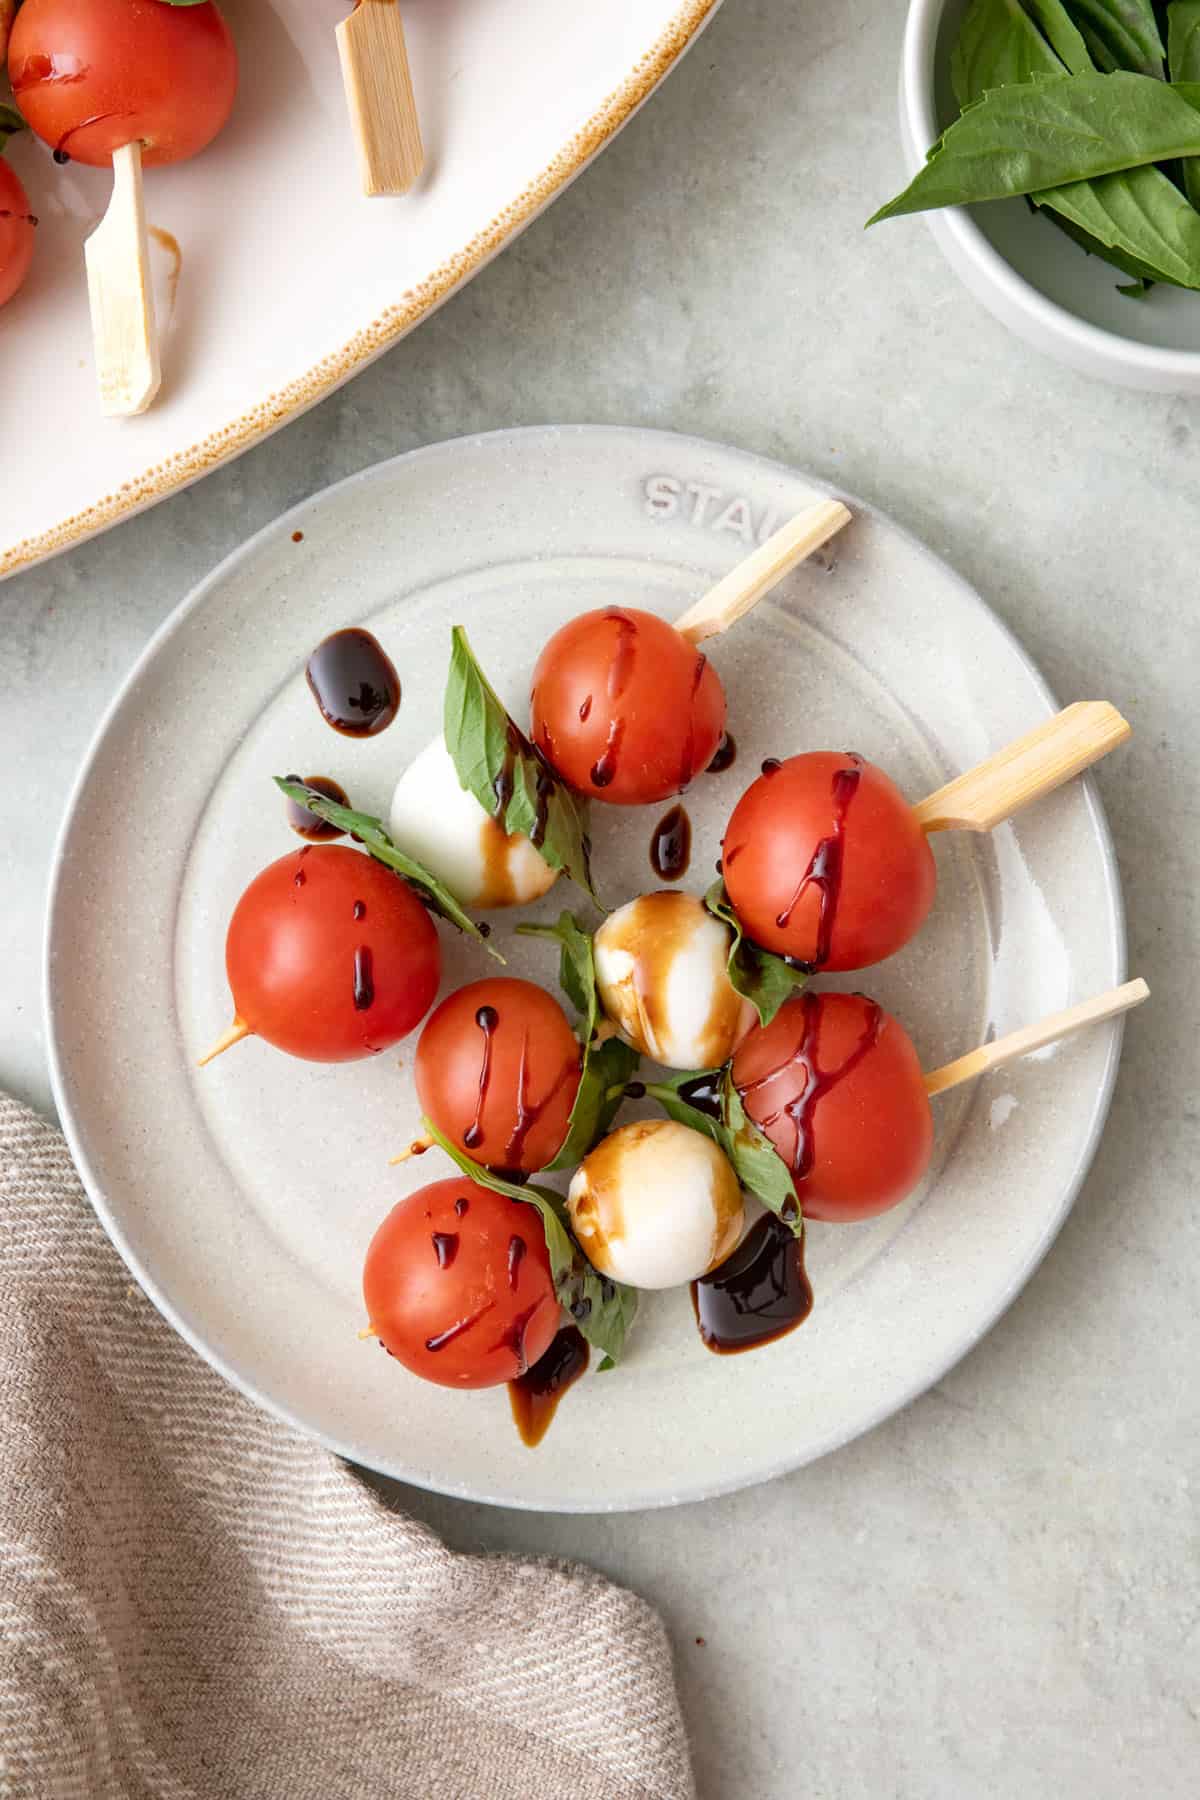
[[196, 1603]]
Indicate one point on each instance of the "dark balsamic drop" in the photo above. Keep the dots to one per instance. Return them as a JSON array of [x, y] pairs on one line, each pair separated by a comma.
[[771, 766], [671, 845], [758, 1294], [61, 156], [824, 871], [724, 756], [461, 1205], [516, 1255], [704, 1093], [635, 1090], [513, 1338], [487, 1019], [603, 770], [359, 910], [445, 1247], [534, 1396], [364, 980], [354, 683], [306, 824]]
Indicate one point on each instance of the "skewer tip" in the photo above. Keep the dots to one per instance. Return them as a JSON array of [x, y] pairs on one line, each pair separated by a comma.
[[237, 1031]]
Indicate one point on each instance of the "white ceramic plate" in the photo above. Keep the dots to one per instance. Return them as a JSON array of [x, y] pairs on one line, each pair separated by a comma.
[[244, 1196], [291, 280]]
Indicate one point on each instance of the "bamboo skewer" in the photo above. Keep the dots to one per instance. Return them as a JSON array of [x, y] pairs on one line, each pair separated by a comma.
[[237, 1031], [379, 94], [124, 330], [1034, 1037], [418, 1147], [758, 573], [1026, 769]]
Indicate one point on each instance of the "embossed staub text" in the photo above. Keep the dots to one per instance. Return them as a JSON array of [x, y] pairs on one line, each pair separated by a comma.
[[711, 508]]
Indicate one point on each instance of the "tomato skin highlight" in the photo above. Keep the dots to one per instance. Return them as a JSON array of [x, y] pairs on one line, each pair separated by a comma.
[[450, 1296], [624, 708], [859, 1118], [17, 225], [488, 1044], [92, 75], [330, 956], [888, 877]]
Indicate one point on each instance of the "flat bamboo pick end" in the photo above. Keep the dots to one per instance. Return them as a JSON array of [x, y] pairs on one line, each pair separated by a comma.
[[1025, 770], [1034, 1037], [237, 1031], [758, 573], [120, 294], [418, 1147], [379, 95]]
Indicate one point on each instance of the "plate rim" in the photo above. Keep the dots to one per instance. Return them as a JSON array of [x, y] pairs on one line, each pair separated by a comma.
[[170, 474], [74, 1132]]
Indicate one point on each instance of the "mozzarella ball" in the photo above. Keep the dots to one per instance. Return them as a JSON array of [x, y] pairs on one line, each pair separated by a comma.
[[436, 820], [656, 1204], [661, 972]]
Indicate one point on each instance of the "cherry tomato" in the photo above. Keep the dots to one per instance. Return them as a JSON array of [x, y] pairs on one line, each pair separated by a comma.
[[7, 8], [497, 1071], [624, 708], [16, 233], [458, 1287], [92, 75], [330, 956], [825, 862], [834, 1082]]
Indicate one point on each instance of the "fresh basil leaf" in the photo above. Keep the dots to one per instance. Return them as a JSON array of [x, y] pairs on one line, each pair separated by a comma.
[[756, 1162], [603, 1310], [514, 784], [1140, 221], [1183, 63], [1062, 34], [1046, 134], [374, 838], [1120, 34], [759, 976], [998, 45], [10, 123], [607, 1067]]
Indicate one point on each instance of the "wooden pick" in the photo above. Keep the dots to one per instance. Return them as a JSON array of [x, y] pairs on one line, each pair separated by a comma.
[[379, 93], [237, 1031], [1033, 1037], [117, 258], [745, 586], [1025, 770], [418, 1147]]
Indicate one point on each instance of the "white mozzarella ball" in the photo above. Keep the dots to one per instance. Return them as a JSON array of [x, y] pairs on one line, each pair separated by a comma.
[[661, 971], [656, 1204], [436, 820]]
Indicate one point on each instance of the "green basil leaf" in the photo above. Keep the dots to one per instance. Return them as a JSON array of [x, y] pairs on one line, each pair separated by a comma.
[[607, 1067], [1183, 63], [10, 123], [374, 838], [1046, 134], [997, 45], [1138, 220], [759, 976], [1120, 34], [514, 784], [604, 1310], [1062, 34], [756, 1162]]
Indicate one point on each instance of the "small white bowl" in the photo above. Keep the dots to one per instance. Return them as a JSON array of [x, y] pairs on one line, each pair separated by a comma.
[[1025, 271]]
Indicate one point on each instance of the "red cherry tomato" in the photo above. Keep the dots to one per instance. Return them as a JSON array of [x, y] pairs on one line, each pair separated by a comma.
[[824, 862], [497, 1071], [458, 1287], [624, 708], [834, 1082], [16, 233], [92, 75], [330, 956]]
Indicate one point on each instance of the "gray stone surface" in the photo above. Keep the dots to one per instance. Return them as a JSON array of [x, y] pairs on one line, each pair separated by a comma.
[[995, 1593]]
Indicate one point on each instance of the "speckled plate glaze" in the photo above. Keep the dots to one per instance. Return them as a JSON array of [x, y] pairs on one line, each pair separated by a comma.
[[243, 1196], [288, 279]]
